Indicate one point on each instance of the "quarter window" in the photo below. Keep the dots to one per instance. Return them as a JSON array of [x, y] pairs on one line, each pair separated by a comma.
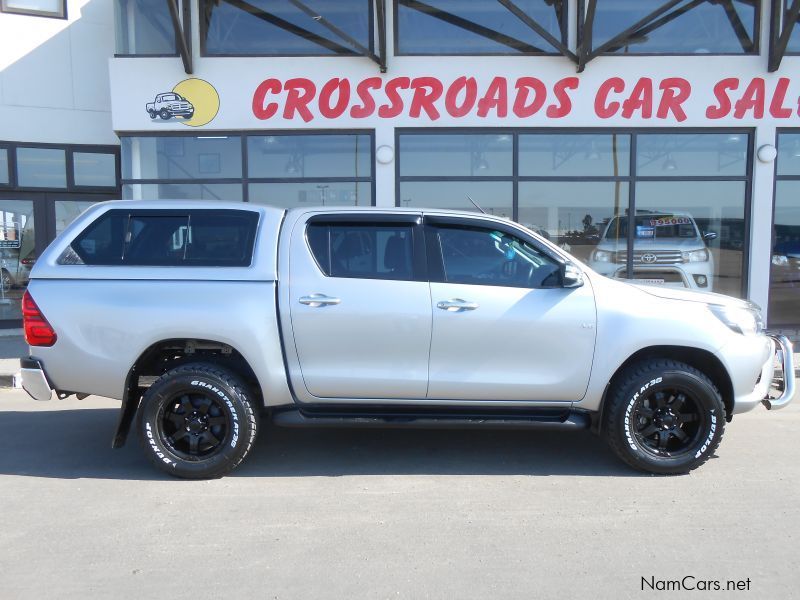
[[490, 257], [363, 251]]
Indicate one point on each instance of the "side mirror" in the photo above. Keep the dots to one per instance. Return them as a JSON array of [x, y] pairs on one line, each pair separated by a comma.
[[709, 235], [571, 276]]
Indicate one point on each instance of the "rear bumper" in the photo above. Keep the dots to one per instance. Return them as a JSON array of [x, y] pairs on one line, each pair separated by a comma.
[[34, 380]]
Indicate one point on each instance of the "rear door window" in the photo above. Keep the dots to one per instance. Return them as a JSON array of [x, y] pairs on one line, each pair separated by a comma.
[[190, 238], [363, 251]]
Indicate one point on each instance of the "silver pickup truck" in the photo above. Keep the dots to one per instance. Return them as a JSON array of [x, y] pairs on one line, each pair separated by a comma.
[[200, 317]]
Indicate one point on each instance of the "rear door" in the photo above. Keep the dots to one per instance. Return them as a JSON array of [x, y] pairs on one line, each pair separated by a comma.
[[360, 306], [503, 326]]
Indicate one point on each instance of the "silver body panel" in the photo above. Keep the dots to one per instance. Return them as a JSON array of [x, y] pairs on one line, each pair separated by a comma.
[[380, 341]]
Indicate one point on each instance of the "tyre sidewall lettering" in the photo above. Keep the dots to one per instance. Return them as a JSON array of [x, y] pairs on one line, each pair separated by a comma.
[[629, 411]]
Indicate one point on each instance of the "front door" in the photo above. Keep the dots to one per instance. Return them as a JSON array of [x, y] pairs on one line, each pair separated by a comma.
[[360, 306], [503, 327]]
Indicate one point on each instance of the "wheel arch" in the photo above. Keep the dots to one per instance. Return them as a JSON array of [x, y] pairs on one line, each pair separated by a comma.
[[698, 358], [161, 356]]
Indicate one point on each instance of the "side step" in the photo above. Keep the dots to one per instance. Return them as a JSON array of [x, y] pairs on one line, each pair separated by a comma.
[[541, 420]]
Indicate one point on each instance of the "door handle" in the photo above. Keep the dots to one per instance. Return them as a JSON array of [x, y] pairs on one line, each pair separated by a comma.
[[317, 300], [456, 305]]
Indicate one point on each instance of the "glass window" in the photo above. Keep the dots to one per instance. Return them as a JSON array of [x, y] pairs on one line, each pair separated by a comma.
[[332, 193], [456, 155], [4, 179], [17, 254], [691, 234], [69, 210], [488, 257], [494, 197], [363, 251], [574, 155], [198, 238], [231, 192], [144, 27], [94, 169], [39, 8], [41, 168], [300, 156], [691, 154], [688, 27], [579, 216], [178, 157], [794, 40], [476, 27], [789, 154], [276, 27]]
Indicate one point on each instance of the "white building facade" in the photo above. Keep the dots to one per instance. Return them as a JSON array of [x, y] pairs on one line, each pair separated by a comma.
[[657, 141]]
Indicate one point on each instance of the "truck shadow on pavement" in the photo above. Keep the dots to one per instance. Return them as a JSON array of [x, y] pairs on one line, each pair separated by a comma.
[[70, 444]]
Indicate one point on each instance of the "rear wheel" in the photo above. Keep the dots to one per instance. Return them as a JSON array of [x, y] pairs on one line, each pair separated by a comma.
[[664, 416], [197, 421]]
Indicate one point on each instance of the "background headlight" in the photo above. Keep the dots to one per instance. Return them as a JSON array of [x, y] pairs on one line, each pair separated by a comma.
[[746, 321], [601, 256], [696, 256], [780, 260]]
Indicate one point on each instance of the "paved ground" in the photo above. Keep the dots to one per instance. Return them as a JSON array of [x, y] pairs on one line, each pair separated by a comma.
[[388, 514]]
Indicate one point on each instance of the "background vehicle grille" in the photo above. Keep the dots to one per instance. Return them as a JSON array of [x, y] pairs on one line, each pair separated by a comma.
[[652, 257]]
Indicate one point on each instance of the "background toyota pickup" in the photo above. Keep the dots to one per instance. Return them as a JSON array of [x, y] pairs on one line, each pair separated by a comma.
[[200, 316]]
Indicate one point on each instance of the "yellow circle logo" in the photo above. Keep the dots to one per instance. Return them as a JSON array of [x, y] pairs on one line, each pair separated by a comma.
[[203, 98]]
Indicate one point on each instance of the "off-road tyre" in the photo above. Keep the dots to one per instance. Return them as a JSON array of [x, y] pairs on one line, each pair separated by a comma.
[[197, 421], [644, 407]]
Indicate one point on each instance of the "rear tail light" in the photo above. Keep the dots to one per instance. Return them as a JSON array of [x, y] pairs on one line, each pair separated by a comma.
[[38, 331], [28, 261]]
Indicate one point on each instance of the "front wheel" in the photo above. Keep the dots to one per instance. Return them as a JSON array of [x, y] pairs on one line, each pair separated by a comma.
[[664, 416], [164, 114], [197, 421]]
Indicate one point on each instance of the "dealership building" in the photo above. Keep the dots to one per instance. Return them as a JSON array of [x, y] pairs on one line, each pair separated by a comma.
[[656, 140]]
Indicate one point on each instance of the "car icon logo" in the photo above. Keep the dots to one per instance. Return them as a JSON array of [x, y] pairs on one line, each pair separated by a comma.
[[649, 258]]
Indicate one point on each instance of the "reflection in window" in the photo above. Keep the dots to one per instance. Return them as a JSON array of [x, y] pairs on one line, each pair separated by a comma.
[[494, 197], [682, 154], [17, 254], [688, 27], [94, 169], [691, 234], [456, 155], [4, 175], [41, 167], [569, 155], [476, 27], [143, 27], [231, 192], [36, 8], [312, 193], [276, 27], [575, 215], [297, 156], [784, 284], [202, 157]]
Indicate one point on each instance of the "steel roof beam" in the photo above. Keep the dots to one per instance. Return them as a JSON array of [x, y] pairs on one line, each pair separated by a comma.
[[780, 31], [180, 36]]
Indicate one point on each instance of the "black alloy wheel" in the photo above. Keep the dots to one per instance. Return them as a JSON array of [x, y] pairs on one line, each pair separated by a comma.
[[194, 425], [668, 422]]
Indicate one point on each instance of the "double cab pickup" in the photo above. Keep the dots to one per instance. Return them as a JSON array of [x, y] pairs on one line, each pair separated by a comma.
[[205, 318]]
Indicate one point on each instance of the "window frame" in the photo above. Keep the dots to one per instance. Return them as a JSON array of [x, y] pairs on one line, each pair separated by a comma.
[[581, 8], [551, 52], [245, 180], [184, 6], [61, 14], [203, 32], [414, 221], [631, 178]]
